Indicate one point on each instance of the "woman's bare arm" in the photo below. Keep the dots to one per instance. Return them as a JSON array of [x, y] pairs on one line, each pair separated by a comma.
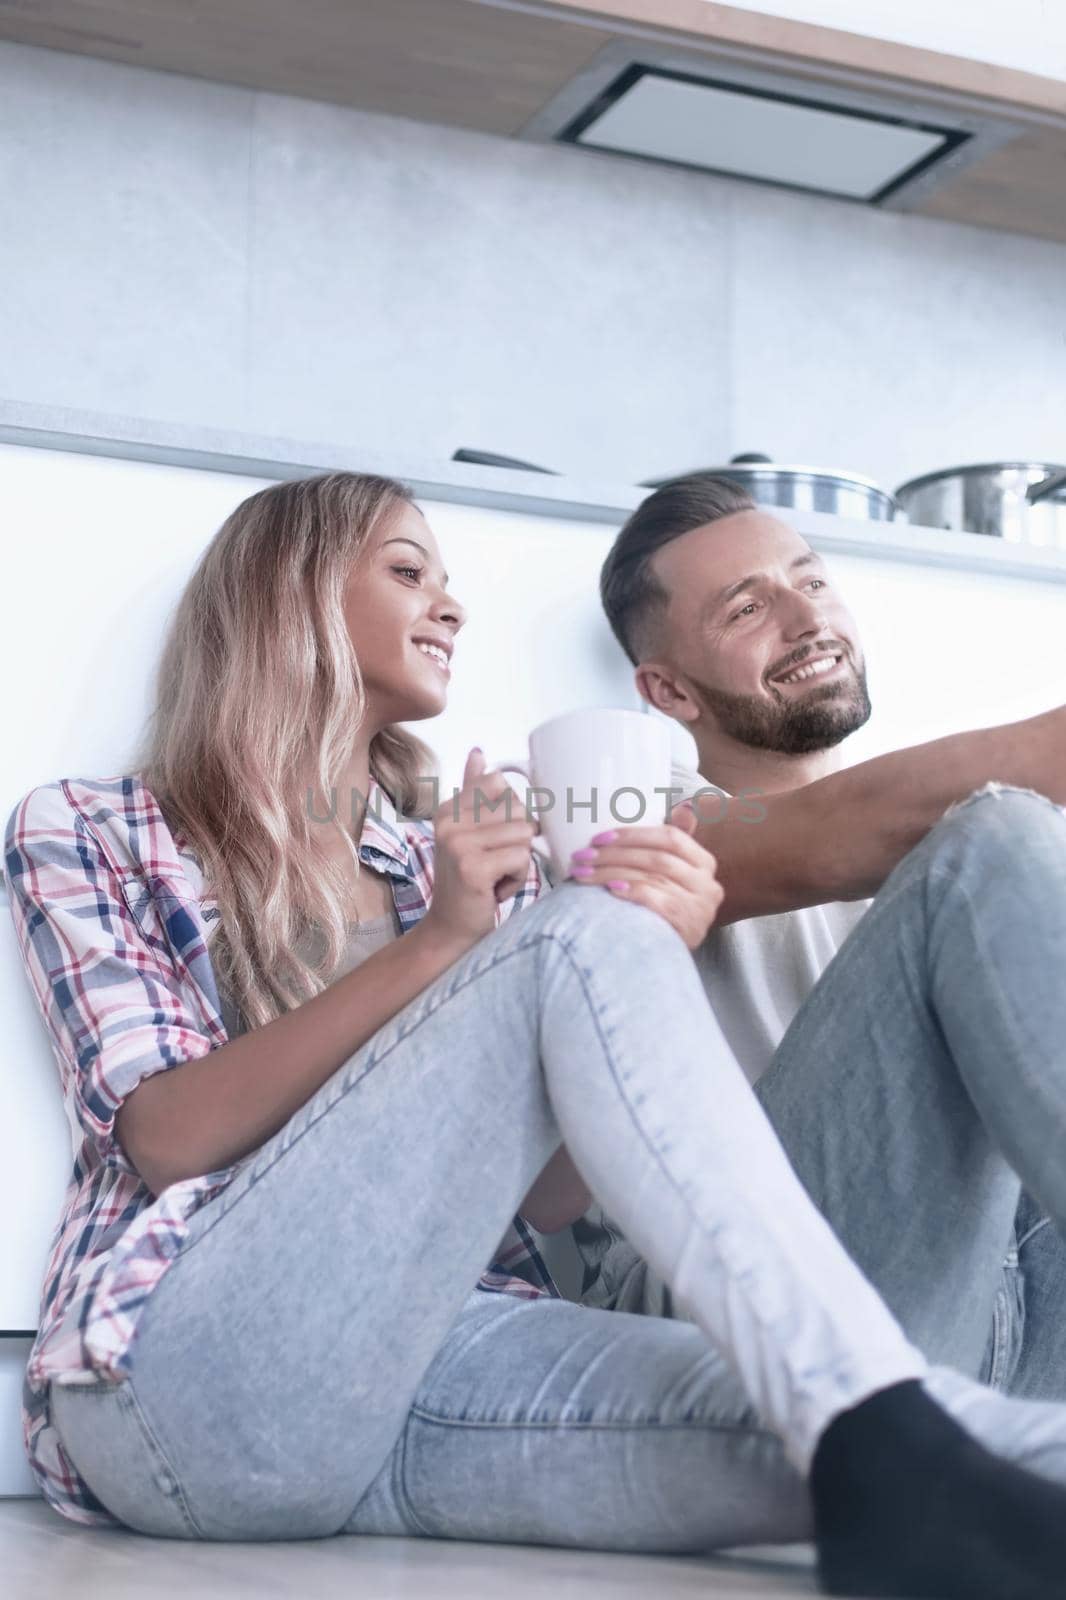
[[207, 1113], [558, 1197], [840, 838]]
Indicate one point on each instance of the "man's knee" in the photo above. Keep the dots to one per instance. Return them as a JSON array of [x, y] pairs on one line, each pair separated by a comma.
[[1006, 796], [1007, 805], [1000, 820]]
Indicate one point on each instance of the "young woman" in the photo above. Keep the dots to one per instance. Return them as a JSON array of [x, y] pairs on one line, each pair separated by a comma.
[[323, 1077]]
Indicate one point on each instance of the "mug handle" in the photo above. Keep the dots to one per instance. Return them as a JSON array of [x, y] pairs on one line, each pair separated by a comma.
[[522, 766]]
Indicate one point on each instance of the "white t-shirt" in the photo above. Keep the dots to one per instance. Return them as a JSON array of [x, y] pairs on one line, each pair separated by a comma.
[[758, 973]]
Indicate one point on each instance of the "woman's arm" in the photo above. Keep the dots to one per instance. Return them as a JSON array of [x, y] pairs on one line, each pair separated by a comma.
[[203, 1115], [558, 1197], [840, 838], [207, 1113], [151, 1090]]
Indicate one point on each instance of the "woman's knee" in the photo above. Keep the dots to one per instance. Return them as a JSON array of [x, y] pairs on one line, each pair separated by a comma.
[[590, 920]]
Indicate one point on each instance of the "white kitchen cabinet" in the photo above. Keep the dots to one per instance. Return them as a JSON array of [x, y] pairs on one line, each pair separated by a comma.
[[103, 546]]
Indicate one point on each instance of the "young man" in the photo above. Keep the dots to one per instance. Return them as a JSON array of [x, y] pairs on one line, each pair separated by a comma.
[[921, 1083], [906, 1048]]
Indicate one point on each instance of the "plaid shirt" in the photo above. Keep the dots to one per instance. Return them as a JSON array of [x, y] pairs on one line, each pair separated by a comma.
[[114, 928]]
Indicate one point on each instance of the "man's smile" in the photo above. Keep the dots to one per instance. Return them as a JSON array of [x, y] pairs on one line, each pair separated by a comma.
[[825, 665]]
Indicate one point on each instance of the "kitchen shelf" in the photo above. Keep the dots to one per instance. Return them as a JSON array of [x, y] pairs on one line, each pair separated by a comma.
[[928, 547], [567, 499]]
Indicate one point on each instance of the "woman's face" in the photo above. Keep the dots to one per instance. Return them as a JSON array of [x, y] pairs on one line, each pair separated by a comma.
[[402, 621]]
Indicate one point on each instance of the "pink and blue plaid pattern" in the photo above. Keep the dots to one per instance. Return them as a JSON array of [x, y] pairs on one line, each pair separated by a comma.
[[113, 926]]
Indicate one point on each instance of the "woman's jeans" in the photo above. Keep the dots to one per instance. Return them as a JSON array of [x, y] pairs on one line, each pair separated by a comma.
[[316, 1359], [921, 1085]]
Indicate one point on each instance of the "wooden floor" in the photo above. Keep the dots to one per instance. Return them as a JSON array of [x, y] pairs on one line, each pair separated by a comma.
[[44, 1557]]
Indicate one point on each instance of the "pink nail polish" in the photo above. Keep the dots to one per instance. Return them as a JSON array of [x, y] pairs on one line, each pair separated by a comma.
[[581, 872], [605, 838], [617, 883], [584, 855]]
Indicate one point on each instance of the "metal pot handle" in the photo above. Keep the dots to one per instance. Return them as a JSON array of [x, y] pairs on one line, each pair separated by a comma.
[[486, 458], [1046, 486]]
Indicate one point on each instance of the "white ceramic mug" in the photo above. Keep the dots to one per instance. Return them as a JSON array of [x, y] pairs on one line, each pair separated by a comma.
[[592, 770]]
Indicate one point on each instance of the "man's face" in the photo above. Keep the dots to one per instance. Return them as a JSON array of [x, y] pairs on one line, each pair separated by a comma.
[[750, 605]]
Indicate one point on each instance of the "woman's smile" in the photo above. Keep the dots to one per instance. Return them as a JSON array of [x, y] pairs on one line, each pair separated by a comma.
[[438, 651]]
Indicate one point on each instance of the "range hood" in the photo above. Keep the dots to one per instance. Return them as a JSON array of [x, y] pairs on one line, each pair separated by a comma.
[[758, 134], [828, 133]]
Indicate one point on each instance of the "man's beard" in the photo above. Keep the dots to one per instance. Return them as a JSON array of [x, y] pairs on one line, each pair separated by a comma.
[[818, 720]]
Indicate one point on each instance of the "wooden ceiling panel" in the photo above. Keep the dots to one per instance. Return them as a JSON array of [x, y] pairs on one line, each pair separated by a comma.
[[451, 61], [1021, 187]]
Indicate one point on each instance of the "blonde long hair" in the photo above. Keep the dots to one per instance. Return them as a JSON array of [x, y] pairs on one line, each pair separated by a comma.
[[258, 687]]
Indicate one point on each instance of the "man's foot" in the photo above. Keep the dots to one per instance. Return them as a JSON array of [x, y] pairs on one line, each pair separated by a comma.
[[907, 1504]]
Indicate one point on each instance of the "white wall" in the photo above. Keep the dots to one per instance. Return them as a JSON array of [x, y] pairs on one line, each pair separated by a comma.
[[1027, 34], [947, 651], [196, 252]]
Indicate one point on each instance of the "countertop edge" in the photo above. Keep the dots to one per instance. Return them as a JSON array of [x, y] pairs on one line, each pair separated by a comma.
[[182, 444], [209, 449]]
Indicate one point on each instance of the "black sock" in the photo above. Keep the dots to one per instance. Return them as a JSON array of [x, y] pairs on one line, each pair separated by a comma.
[[907, 1504]]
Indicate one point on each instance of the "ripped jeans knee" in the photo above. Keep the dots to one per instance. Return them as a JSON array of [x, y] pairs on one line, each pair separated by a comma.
[[993, 789]]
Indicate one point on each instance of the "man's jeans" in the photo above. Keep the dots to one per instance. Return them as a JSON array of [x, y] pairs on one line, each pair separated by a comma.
[[922, 1083]]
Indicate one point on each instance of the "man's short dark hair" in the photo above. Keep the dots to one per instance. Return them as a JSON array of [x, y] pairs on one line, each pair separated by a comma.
[[630, 592]]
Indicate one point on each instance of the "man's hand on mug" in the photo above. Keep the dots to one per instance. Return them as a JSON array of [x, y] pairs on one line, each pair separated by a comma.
[[662, 868]]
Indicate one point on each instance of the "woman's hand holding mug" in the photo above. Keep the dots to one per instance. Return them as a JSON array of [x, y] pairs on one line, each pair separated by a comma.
[[662, 868], [480, 859]]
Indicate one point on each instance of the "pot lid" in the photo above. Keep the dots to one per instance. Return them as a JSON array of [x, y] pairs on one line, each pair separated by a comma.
[[773, 469], [1041, 468], [777, 469]]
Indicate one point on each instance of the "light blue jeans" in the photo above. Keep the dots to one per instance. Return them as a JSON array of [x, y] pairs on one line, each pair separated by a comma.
[[921, 1084], [316, 1361]]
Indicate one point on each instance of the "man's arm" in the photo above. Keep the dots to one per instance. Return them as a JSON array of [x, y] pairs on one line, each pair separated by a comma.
[[840, 838]]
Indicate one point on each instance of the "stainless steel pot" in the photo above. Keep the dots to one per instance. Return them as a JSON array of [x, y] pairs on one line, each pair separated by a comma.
[[840, 494], [1023, 502]]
